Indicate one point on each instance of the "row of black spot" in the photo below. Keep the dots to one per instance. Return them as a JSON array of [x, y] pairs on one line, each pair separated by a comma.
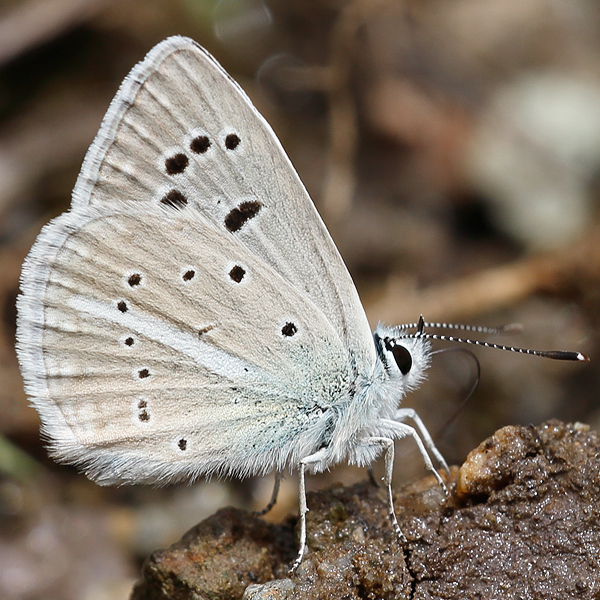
[[178, 163], [234, 220], [237, 274]]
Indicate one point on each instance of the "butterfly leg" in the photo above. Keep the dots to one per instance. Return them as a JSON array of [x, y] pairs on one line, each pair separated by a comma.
[[308, 460], [268, 507], [409, 413], [387, 444], [402, 430]]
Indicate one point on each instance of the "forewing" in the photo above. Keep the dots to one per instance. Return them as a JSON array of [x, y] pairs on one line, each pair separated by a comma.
[[182, 133], [159, 349]]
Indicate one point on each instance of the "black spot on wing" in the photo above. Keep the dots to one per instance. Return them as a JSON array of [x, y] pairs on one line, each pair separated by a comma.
[[134, 279], [289, 329], [176, 164], [143, 414], [237, 273], [200, 144], [174, 199], [232, 141], [241, 214]]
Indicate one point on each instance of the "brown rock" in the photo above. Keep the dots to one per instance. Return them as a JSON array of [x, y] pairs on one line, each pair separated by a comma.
[[523, 523]]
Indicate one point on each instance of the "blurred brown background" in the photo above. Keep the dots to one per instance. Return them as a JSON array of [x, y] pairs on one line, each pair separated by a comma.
[[452, 147]]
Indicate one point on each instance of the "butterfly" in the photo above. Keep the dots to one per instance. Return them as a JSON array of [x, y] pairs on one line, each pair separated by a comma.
[[190, 314]]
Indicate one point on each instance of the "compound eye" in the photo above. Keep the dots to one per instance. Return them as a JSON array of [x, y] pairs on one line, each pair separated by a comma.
[[401, 355]]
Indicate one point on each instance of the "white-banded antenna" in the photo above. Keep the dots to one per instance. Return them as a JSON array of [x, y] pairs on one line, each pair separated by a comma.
[[422, 324]]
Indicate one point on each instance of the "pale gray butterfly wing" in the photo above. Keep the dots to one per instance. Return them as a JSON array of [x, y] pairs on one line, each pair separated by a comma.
[[143, 379], [191, 313], [183, 132]]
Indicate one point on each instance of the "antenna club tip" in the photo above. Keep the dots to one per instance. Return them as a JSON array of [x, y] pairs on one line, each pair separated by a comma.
[[561, 355]]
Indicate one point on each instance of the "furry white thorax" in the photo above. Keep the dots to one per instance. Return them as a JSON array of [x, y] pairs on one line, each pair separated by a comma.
[[377, 396]]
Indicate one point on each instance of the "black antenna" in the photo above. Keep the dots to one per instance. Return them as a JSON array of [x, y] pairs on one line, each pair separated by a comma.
[[553, 354]]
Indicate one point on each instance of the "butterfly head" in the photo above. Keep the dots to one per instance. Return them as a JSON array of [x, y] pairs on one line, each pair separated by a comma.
[[405, 351], [404, 354]]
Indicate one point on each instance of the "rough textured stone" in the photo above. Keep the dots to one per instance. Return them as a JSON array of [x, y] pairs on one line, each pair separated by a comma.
[[524, 522], [278, 589], [218, 559]]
